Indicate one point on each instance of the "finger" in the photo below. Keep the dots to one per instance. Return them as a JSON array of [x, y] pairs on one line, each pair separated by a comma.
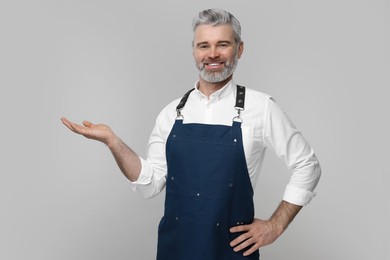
[[67, 123], [240, 239], [240, 228], [78, 129], [87, 123], [250, 241], [251, 250]]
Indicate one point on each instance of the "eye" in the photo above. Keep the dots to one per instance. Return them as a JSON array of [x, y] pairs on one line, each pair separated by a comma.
[[202, 46], [223, 45]]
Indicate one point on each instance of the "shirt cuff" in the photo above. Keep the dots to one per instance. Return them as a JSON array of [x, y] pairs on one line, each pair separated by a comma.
[[144, 177], [298, 196]]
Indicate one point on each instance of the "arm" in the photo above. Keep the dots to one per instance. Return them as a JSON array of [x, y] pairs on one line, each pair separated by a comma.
[[284, 215], [264, 232], [287, 142], [127, 160]]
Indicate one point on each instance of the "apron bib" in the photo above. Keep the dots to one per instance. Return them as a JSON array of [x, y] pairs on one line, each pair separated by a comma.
[[208, 190]]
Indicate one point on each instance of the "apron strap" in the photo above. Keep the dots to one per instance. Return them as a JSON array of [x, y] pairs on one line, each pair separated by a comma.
[[239, 106], [240, 98], [183, 101], [240, 103]]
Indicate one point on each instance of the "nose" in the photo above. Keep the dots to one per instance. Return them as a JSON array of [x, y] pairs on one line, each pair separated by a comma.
[[213, 53]]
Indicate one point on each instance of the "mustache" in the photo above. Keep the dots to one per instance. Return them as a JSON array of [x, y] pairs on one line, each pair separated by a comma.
[[213, 61]]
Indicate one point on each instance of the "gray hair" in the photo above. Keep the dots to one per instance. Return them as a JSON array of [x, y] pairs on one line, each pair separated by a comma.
[[216, 17]]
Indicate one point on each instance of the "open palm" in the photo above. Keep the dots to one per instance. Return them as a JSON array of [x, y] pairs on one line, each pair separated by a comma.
[[99, 132]]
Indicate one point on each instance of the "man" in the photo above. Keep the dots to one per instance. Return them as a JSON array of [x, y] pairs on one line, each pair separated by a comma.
[[207, 151]]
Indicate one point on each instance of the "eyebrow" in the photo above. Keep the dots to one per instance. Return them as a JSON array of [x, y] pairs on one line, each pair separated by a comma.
[[219, 42]]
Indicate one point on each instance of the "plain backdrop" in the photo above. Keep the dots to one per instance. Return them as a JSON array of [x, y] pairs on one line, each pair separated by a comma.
[[327, 63]]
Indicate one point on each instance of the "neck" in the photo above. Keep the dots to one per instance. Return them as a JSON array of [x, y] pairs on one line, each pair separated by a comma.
[[208, 88]]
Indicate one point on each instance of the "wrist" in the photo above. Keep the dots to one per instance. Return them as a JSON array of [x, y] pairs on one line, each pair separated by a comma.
[[283, 216], [278, 226], [113, 142]]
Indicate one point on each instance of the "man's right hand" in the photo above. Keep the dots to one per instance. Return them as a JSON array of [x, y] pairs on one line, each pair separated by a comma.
[[99, 132], [127, 160]]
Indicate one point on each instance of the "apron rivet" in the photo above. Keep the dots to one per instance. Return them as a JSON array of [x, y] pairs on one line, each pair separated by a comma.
[[198, 194], [230, 184], [172, 178], [235, 140], [177, 218], [217, 224]]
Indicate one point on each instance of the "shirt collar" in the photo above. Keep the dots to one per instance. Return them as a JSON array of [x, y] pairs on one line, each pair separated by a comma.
[[226, 90]]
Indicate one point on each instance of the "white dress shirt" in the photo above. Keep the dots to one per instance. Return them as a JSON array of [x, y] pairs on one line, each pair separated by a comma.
[[264, 125]]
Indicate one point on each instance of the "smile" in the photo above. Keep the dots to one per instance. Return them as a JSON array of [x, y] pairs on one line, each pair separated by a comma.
[[214, 65]]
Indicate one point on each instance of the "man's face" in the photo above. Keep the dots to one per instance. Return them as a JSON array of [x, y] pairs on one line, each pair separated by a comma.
[[216, 52]]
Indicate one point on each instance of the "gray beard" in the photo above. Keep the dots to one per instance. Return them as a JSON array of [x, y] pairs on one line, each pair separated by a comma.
[[215, 77]]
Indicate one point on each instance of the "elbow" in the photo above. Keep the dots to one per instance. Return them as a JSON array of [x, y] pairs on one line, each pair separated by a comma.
[[152, 189], [307, 173]]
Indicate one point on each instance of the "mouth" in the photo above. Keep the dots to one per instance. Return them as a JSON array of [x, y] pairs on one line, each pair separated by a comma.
[[214, 65]]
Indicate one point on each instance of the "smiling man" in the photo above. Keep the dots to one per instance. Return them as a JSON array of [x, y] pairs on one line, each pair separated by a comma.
[[216, 52], [207, 149]]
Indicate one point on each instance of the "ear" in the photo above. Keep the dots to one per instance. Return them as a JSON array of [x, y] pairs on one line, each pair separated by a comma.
[[193, 49], [240, 49]]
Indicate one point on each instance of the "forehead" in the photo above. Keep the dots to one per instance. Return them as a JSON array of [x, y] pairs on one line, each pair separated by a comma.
[[211, 33]]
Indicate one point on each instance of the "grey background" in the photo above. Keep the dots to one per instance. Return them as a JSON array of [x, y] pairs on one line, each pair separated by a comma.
[[120, 62]]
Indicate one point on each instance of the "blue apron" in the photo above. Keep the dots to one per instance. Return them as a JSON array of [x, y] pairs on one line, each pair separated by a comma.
[[208, 190]]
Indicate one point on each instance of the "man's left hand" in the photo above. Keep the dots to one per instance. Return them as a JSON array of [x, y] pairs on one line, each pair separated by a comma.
[[259, 233]]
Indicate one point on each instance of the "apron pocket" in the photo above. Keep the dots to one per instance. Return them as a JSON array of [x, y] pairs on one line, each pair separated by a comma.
[[198, 240], [202, 168]]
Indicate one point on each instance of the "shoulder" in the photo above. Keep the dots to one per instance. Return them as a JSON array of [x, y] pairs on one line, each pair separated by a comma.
[[169, 109], [257, 98], [168, 114], [252, 93]]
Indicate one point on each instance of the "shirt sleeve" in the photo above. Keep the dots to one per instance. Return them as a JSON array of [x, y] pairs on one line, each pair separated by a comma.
[[152, 178], [287, 142]]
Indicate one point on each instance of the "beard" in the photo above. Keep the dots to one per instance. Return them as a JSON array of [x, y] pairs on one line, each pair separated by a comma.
[[218, 76]]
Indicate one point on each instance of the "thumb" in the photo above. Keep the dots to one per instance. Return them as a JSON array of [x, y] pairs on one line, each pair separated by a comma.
[[87, 123]]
